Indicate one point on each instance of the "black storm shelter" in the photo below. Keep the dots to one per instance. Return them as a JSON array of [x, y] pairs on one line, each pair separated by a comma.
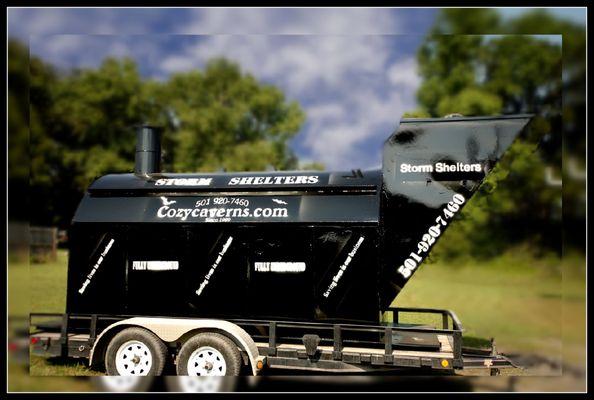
[[293, 245]]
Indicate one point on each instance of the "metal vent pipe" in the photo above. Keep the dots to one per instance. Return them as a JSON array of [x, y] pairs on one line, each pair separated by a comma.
[[148, 150]]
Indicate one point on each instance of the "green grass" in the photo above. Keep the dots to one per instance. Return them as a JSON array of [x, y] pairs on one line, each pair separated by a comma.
[[19, 380], [42, 288], [37, 287], [56, 366], [529, 306], [522, 302]]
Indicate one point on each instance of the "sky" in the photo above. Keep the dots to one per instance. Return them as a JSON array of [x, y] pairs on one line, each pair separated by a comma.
[[352, 70]]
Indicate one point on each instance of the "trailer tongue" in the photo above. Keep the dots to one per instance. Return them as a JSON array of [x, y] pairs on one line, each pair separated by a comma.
[[291, 268]]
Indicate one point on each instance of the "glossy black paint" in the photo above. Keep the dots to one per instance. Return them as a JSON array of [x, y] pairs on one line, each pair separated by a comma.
[[236, 289], [222, 182], [284, 245], [411, 201], [148, 150]]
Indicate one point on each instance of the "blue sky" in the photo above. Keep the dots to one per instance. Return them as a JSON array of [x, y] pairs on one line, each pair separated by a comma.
[[352, 70]]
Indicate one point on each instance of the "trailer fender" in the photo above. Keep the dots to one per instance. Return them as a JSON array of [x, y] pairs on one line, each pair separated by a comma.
[[171, 329]]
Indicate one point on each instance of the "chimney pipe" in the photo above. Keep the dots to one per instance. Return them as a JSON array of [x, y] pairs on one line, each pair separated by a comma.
[[148, 150]]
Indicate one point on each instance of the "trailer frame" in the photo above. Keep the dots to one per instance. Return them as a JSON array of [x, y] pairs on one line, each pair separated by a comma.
[[325, 347]]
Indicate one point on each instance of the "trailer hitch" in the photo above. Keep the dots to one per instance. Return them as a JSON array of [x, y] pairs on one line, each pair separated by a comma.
[[311, 343]]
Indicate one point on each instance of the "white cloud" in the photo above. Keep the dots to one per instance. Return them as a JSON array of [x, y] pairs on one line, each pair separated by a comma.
[[177, 64], [301, 63], [327, 112], [296, 21], [80, 50], [350, 76], [354, 141], [25, 22], [404, 73], [333, 61], [62, 45], [352, 95]]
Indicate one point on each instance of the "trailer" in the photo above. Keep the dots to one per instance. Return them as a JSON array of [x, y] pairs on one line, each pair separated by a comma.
[[248, 273]]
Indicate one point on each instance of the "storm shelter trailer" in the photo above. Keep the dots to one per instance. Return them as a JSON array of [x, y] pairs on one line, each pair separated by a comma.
[[241, 272]]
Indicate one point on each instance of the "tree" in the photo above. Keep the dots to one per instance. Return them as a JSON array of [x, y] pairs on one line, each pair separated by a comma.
[[229, 120], [82, 126], [82, 129], [17, 129], [574, 117], [312, 166]]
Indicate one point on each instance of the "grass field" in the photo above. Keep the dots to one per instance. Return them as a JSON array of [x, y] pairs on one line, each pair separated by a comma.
[[518, 304], [529, 306], [37, 287]]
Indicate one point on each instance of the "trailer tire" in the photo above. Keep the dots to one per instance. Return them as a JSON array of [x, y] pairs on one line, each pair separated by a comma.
[[211, 353], [145, 349]]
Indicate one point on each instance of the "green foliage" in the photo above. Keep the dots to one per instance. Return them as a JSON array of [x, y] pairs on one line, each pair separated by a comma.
[[470, 102], [82, 122], [525, 72], [17, 130], [467, 21], [96, 110], [446, 64], [80, 128], [312, 166], [229, 120], [418, 113]]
